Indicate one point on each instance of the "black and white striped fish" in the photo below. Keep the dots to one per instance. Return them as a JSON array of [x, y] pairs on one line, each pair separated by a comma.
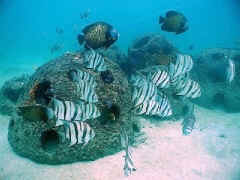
[[160, 78], [78, 132], [77, 75], [183, 64], [137, 80], [143, 93], [188, 120], [159, 106], [188, 88], [86, 91], [230, 71], [69, 111], [128, 162], [94, 61]]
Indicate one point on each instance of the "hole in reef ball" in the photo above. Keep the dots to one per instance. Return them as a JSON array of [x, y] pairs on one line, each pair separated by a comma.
[[107, 76], [11, 124], [50, 140]]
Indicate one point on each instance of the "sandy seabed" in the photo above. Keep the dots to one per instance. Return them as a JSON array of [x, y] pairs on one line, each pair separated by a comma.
[[211, 152]]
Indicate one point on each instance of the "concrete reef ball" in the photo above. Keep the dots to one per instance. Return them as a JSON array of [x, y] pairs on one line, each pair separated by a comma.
[[41, 140]]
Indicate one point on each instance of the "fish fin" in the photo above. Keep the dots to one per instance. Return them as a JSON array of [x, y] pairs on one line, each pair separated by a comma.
[[161, 19], [81, 39], [108, 44], [182, 30], [87, 47], [171, 13]]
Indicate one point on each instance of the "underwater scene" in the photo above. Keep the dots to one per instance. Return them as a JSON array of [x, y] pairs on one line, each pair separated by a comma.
[[114, 90]]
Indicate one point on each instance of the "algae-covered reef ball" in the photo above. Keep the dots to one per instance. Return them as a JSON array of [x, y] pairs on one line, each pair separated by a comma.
[[98, 35], [174, 22], [73, 109]]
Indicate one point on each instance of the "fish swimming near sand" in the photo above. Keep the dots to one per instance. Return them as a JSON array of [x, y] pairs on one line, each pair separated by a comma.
[[188, 120], [128, 162], [143, 91], [94, 60], [230, 74], [188, 88], [78, 132], [159, 106], [147, 100], [70, 111]]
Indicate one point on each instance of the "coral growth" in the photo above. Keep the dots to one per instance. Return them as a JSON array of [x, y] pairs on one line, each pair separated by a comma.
[[41, 92]]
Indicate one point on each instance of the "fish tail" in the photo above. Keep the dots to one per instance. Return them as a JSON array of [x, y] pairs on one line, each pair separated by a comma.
[[161, 20], [80, 38]]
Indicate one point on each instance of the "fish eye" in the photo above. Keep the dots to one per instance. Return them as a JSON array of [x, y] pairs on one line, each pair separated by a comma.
[[114, 34]]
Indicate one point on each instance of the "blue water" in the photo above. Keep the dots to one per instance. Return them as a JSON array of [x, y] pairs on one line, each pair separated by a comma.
[[28, 28]]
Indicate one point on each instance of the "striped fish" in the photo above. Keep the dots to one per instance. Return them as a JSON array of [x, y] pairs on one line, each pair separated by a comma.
[[188, 88], [230, 71], [69, 111], [137, 80], [144, 92], [188, 120], [78, 132], [94, 61], [159, 106], [160, 78], [87, 91], [76, 76], [128, 162], [184, 64]]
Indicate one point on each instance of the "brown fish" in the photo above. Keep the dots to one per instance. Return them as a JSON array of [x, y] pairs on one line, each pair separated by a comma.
[[174, 22], [98, 35]]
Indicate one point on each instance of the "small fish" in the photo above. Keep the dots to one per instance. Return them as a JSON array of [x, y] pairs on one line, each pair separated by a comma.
[[70, 111], [94, 60], [174, 22], [59, 30], [191, 47], [184, 64], [56, 47], [85, 15], [128, 162], [188, 88], [98, 35], [160, 78], [230, 71], [189, 119], [78, 132]]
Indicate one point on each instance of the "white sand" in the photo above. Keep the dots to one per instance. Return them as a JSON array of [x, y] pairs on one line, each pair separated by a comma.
[[165, 155]]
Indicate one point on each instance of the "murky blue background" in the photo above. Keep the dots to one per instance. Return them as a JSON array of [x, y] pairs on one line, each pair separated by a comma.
[[28, 28]]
